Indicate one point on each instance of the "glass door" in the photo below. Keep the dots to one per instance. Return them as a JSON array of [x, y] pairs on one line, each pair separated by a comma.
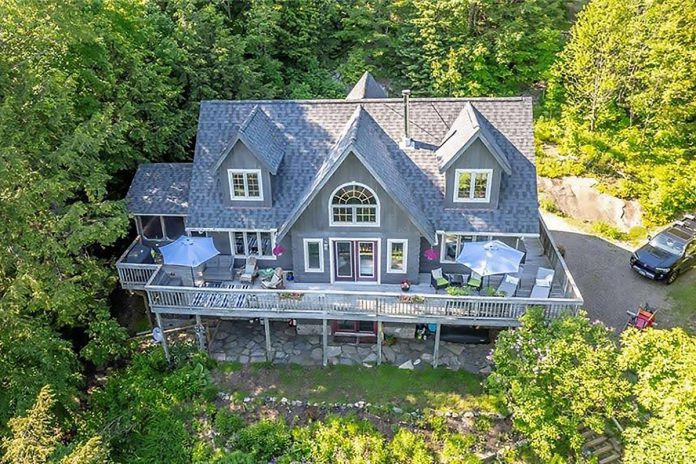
[[343, 261], [367, 260]]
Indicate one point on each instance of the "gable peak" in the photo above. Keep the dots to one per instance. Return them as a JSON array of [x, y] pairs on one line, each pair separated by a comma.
[[366, 87]]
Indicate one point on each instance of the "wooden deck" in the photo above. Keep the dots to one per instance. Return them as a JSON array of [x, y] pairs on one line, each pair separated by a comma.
[[382, 302]]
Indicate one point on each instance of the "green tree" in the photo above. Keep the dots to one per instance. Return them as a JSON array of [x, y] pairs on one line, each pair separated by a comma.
[[663, 368], [34, 436], [557, 377], [626, 91], [32, 356]]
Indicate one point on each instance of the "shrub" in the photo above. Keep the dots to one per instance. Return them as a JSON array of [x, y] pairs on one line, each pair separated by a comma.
[[340, 440], [457, 450], [408, 448], [264, 440], [227, 423], [607, 230], [459, 291]]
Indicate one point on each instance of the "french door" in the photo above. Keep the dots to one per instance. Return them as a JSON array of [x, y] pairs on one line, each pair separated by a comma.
[[355, 260]]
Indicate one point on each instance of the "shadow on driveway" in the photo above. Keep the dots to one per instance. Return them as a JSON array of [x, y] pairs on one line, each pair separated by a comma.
[[608, 284]]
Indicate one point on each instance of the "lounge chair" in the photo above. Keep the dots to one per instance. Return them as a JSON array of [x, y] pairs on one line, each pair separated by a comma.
[[251, 270], [508, 287], [542, 285], [276, 280], [475, 280], [438, 280]]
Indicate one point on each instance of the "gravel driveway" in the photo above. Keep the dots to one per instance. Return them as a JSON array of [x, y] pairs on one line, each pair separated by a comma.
[[601, 271]]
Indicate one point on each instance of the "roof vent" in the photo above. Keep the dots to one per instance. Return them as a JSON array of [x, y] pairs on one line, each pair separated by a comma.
[[407, 141]]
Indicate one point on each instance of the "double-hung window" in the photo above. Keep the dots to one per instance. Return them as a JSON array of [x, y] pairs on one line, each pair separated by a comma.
[[313, 255], [472, 185], [245, 184], [397, 257]]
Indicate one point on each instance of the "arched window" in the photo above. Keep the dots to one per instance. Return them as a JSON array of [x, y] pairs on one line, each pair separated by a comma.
[[354, 204]]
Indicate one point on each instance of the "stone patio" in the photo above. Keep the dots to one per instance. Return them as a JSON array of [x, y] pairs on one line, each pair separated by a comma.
[[244, 342]]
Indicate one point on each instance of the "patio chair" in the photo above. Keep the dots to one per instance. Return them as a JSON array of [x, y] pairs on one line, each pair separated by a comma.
[[475, 280], [251, 270], [508, 286], [438, 280], [542, 285], [276, 280]]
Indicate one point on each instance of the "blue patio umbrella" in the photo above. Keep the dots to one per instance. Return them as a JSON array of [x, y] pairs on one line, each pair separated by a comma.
[[189, 251], [490, 258]]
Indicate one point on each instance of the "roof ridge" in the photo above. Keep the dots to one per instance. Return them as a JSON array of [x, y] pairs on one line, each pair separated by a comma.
[[519, 98]]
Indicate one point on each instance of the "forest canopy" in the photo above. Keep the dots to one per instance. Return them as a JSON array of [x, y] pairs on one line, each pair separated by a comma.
[[91, 88]]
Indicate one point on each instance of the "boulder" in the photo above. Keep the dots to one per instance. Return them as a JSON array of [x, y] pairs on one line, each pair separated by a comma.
[[388, 353], [407, 365], [578, 197], [370, 358], [333, 351]]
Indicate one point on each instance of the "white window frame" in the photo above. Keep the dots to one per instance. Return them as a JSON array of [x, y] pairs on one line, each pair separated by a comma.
[[306, 243], [390, 242], [377, 206], [245, 234], [470, 199], [476, 238], [245, 173]]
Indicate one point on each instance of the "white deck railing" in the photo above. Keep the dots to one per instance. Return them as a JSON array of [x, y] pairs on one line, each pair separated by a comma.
[[316, 304], [134, 276]]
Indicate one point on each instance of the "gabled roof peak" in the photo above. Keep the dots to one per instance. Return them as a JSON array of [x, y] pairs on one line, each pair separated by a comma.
[[260, 134], [365, 138], [366, 87], [469, 126]]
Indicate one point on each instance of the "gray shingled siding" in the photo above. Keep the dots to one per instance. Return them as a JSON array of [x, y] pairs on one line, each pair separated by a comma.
[[314, 223], [312, 128], [427, 266], [476, 156], [224, 245], [240, 157]]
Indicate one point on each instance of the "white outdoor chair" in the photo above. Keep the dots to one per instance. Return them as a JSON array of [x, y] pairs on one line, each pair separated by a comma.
[[276, 280], [251, 269], [508, 287], [542, 285]]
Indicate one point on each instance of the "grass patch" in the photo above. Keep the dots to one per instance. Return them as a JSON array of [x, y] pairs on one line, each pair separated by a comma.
[[683, 295], [382, 385]]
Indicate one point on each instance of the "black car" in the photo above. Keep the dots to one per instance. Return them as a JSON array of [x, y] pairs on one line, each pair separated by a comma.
[[669, 253]]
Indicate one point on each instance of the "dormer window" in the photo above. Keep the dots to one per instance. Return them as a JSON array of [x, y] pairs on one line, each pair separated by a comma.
[[245, 184], [354, 205], [472, 185]]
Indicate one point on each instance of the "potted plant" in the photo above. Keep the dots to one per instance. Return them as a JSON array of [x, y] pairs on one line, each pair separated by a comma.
[[405, 285]]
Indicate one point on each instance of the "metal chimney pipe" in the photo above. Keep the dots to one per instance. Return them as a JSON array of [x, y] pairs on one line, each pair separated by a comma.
[[407, 142]]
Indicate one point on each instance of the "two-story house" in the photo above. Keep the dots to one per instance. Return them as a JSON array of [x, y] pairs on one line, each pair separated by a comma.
[[349, 198]]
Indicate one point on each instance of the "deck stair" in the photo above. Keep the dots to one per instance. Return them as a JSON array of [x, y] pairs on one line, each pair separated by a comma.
[[606, 448]]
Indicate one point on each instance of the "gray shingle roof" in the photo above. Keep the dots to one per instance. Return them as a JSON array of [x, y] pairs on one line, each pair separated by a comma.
[[470, 125], [366, 87], [161, 188], [262, 137], [312, 129], [380, 155]]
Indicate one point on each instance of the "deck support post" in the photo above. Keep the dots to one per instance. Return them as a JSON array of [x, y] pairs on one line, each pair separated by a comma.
[[379, 342], [165, 347], [200, 334], [325, 342], [436, 351], [267, 329]]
